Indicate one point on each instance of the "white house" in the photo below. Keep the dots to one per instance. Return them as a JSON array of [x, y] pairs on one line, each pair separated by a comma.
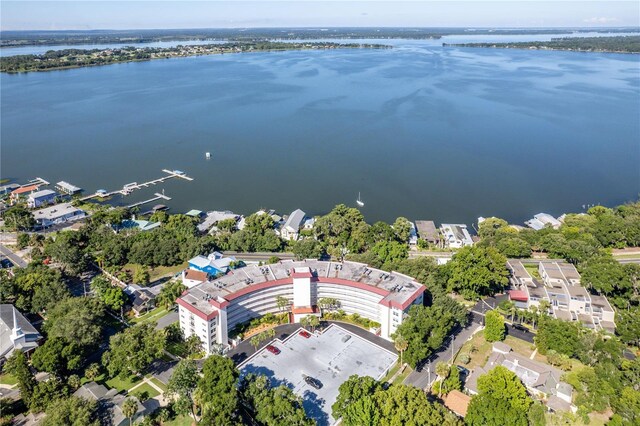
[[456, 235], [291, 228], [59, 213]]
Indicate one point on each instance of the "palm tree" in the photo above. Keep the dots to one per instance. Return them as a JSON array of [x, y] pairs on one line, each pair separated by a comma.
[[314, 321], [401, 345], [545, 305], [255, 341], [282, 303], [130, 408], [304, 321], [442, 369]]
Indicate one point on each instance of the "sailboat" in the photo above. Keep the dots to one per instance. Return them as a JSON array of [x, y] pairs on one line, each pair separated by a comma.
[[359, 201]]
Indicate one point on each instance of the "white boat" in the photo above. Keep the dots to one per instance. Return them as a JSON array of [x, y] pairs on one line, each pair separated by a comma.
[[359, 201], [208, 155]]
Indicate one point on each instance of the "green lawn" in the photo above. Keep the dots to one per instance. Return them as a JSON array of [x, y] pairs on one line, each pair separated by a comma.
[[158, 383], [122, 385], [152, 315], [145, 387], [532, 269], [180, 421], [400, 377], [391, 372], [99, 379], [159, 271], [178, 349], [8, 379]]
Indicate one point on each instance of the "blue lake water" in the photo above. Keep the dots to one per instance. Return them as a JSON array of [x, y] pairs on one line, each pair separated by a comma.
[[420, 130]]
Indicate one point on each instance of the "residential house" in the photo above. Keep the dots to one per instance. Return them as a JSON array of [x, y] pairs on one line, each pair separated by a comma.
[[457, 402], [16, 332], [41, 198], [559, 284], [456, 235], [541, 220], [291, 228], [413, 235], [141, 225], [213, 217], [110, 403], [193, 277], [59, 213], [142, 299], [427, 231], [212, 265], [22, 192], [541, 380]]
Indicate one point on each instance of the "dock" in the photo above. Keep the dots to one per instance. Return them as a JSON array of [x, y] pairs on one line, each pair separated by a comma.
[[133, 186], [158, 196]]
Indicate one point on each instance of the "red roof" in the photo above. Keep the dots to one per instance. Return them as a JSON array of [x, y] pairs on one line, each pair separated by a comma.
[[457, 402], [305, 310], [192, 274], [24, 189], [518, 295]]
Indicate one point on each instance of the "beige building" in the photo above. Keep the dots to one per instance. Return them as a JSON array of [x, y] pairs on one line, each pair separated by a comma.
[[559, 284]]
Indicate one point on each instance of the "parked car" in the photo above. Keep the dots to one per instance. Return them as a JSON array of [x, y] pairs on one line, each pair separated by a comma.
[[314, 383], [463, 371], [520, 327], [305, 334], [273, 349]]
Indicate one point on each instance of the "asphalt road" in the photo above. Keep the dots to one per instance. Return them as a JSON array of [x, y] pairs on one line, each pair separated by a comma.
[[14, 258], [424, 374]]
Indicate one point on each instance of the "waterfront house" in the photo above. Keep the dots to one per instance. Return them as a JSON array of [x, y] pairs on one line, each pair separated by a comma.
[[141, 225], [59, 213], [427, 231], [541, 220], [7, 189], [41, 198], [22, 192], [413, 235], [456, 235], [16, 332], [291, 228], [213, 217]]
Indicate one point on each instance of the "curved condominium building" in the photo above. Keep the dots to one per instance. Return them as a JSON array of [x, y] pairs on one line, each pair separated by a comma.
[[209, 310]]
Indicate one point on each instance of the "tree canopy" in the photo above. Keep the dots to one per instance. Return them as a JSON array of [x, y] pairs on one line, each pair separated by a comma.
[[477, 271], [501, 400], [133, 350]]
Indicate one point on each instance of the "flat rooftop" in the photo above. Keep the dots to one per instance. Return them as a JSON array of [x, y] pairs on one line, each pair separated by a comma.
[[330, 357], [392, 286]]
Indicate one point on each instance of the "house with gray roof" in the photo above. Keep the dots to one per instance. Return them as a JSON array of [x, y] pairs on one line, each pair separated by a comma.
[[16, 332], [110, 403], [291, 228], [541, 380], [427, 231]]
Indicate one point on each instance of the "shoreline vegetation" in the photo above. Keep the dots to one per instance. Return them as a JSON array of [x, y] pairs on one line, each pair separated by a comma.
[[614, 44], [77, 58], [43, 38]]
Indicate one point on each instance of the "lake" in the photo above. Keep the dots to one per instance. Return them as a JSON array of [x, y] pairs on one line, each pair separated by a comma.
[[420, 131]]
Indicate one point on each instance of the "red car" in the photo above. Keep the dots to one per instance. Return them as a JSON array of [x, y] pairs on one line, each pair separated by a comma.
[[273, 349], [305, 334]]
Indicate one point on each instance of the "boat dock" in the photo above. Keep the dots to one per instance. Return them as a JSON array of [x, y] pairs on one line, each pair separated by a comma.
[[158, 196], [133, 186]]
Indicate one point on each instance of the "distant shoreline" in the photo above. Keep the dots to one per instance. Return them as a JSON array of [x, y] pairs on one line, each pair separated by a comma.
[[80, 58], [614, 44]]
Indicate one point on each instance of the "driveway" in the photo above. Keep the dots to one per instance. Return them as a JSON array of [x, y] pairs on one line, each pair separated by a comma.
[[167, 320], [14, 258]]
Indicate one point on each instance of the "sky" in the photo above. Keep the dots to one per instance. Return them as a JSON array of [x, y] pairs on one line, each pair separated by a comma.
[[153, 14]]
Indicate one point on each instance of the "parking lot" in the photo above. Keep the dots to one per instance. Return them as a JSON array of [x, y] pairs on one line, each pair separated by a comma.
[[330, 357]]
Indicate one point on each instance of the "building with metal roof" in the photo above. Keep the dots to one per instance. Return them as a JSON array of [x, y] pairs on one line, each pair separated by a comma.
[[291, 228]]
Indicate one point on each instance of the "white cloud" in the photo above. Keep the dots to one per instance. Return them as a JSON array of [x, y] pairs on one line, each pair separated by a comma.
[[601, 20]]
